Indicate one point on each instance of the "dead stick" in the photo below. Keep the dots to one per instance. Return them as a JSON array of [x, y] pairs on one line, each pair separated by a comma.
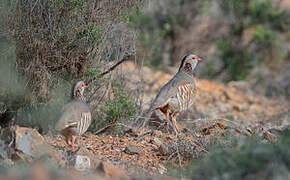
[[103, 129], [113, 67]]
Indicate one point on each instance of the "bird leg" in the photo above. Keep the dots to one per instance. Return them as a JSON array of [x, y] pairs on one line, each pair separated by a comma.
[[270, 137], [176, 129], [72, 144]]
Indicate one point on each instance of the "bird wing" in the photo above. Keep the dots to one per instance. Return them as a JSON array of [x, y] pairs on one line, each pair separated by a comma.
[[169, 90], [72, 114]]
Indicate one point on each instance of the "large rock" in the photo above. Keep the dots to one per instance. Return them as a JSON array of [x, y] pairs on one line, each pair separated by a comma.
[[29, 144]]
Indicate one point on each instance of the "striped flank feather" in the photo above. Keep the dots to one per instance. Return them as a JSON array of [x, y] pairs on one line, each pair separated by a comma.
[[185, 95], [84, 122]]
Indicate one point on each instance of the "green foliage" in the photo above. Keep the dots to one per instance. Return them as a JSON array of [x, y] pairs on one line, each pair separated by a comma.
[[43, 116], [243, 159], [238, 55], [154, 28], [264, 38], [262, 11], [55, 44], [121, 109], [237, 61], [17, 102], [13, 93], [59, 38]]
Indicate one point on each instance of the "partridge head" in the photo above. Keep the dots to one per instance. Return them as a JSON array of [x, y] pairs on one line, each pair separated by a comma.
[[78, 90], [189, 63]]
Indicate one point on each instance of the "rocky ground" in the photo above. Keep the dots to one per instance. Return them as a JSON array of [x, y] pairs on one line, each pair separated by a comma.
[[219, 110]]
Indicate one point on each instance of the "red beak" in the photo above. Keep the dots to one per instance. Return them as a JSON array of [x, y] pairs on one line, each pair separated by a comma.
[[199, 59]]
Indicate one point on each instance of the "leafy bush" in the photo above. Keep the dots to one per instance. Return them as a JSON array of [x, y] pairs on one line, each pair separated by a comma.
[[239, 55], [156, 24], [265, 38], [61, 38], [243, 159], [116, 112], [238, 62], [55, 44]]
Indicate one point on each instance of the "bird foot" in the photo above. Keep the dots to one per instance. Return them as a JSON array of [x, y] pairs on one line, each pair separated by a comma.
[[270, 137], [72, 144], [73, 147]]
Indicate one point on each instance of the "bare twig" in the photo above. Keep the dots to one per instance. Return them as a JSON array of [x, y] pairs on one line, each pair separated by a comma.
[[104, 129], [113, 67], [110, 69]]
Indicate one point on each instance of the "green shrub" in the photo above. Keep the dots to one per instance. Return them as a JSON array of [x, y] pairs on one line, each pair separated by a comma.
[[115, 112], [243, 159], [55, 44], [62, 38], [155, 28], [13, 93], [264, 38], [150, 34], [239, 56]]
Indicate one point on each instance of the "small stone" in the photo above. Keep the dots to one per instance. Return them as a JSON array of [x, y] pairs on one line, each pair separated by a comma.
[[163, 150], [132, 150], [84, 152], [118, 150], [157, 141], [88, 146], [162, 169], [82, 163]]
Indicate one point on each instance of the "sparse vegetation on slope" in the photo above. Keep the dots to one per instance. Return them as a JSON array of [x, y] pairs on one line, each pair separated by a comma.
[[245, 158], [231, 131]]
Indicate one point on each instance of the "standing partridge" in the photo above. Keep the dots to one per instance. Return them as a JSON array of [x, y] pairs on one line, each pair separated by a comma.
[[177, 94], [76, 116]]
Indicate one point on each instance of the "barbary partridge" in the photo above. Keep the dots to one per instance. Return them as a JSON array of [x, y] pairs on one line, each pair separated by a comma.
[[177, 94], [76, 116]]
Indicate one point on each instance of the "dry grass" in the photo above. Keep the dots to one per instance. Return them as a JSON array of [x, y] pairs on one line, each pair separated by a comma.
[[59, 39]]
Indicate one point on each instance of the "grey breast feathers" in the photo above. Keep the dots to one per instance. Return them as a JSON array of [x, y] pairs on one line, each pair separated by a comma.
[[73, 115]]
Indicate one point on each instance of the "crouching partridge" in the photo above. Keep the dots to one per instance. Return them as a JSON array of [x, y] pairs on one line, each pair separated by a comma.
[[177, 94], [76, 116]]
